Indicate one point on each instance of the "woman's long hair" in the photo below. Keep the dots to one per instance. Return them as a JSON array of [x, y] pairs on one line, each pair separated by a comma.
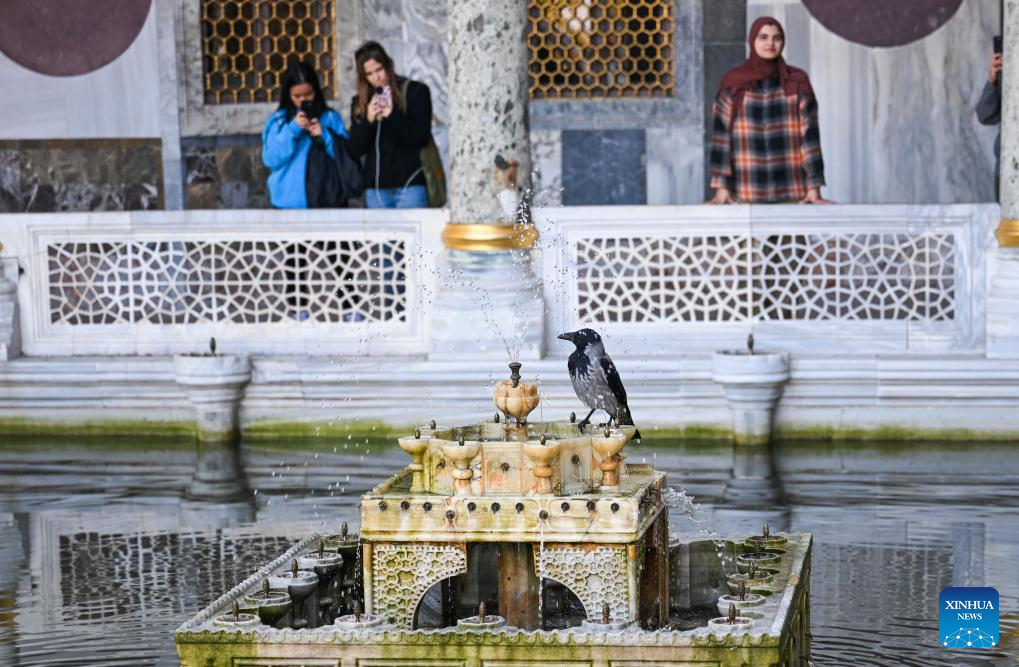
[[297, 73], [374, 51]]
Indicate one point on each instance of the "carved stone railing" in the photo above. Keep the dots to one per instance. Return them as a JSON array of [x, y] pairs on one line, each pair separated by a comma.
[[267, 282], [827, 279]]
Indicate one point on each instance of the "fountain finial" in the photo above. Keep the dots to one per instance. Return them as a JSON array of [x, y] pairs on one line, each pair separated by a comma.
[[343, 530], [515, 372], [357, 611], [752, 573], [750, 343], [542, 439], [605, 613], [732, 614], [481, 612], [293, 568], [496, 417], [321, 549], [212, 346], [265, 588], [432, 424], [461, 440], [237, 611], [417, 434], [765, 531], [742, 590], [573, 417]]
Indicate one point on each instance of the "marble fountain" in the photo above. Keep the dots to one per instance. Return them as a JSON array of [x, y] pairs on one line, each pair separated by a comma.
[[544, 524]]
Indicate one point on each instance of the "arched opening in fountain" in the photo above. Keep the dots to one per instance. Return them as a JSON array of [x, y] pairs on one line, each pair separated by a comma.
[[561, 608], [439, 606]]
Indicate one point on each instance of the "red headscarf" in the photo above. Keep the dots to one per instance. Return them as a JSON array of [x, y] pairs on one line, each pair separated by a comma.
[[740, 79]]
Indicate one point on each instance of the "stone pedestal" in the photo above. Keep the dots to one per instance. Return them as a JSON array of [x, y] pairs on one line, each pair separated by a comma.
[[10, 341], [753, 385], [488, 303], [1003, 304], [215, 386]]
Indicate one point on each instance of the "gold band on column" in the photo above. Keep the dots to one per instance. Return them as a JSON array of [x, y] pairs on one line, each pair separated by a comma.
[[1007, 233], [466, 236]]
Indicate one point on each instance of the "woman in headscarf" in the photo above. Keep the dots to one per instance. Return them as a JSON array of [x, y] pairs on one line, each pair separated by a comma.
[[765, 144]]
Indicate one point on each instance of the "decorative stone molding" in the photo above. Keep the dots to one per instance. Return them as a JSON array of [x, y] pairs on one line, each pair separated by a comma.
[[402, 574], [753, 385]]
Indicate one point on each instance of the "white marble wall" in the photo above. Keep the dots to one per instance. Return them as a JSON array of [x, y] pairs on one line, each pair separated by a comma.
[[118, 100], [897, 124], [414, 33]]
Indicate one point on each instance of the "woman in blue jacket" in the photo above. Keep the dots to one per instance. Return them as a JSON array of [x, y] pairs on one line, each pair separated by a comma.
[[302, 119]]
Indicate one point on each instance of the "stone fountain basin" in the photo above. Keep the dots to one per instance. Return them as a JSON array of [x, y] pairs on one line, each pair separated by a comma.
[[322, 566], [243, 621], [205, 370], [621, 517], [782, 624], [733, 581], [491, 622], [722, 624], [740, 367], [367, 622], [766, 558], [303, 585], [501, 466], [751, 600]]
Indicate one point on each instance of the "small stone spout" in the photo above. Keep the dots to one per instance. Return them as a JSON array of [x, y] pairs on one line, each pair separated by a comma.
[[765, 531], [742, 590], [237, 611], [750, 344], [357, 611], [605, 613], [293, 568], [732, 614], [343, 530], [265, 588], [481, 613], [515, 373]]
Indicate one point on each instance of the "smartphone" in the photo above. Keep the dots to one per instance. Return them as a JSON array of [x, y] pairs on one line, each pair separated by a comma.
[[997, 44], [385, 97], [308, 107]]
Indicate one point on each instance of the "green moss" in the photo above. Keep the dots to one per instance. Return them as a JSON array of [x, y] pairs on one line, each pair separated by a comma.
[[315, 435], [97, 427], [693, 432], [890, 434]]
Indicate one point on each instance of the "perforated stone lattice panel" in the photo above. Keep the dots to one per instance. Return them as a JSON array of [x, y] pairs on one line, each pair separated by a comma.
[[246, 45], [594, 575], [735, 278], [403, 573], [241, 282], [601, 48]]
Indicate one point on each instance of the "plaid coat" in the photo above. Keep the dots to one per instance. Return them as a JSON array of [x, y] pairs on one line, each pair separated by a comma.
[[771, 152]]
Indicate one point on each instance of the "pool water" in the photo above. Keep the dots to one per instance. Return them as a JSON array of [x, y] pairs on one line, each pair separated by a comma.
[[100, 558]]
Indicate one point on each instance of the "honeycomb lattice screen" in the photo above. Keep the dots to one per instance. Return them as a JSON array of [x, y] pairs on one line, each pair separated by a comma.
[[246, 45], [601, 48]]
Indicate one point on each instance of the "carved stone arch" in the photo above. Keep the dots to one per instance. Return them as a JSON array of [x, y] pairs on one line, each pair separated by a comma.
[[403, 573], [595, 575]]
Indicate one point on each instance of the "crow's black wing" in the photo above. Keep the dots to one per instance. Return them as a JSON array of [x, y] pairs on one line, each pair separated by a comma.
[[612, 376]]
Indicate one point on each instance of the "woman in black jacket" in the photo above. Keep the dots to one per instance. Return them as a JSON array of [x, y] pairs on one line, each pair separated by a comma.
[[391, 121]]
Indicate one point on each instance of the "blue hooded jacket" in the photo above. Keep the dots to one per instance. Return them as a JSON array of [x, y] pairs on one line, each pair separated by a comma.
[[285, 149]]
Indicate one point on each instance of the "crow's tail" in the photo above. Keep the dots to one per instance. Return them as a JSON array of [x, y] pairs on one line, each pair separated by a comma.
[[624, 417]]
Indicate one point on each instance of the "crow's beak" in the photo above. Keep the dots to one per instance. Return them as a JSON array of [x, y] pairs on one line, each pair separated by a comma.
[[569, 335]]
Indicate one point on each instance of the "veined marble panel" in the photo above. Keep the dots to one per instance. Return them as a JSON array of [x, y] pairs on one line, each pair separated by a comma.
[[897, 124], [118, 100], [675, 165], [547, 166]]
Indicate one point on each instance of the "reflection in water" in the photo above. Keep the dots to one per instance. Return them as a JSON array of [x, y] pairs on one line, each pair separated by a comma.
[[754, 480], [101, 558]]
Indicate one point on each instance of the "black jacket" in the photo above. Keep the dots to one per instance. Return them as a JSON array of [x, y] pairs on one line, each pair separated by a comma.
[[400, 138]]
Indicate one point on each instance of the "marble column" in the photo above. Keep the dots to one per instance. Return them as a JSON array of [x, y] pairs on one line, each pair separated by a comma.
[[1002, 301], [167, 22], [489, 294]]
